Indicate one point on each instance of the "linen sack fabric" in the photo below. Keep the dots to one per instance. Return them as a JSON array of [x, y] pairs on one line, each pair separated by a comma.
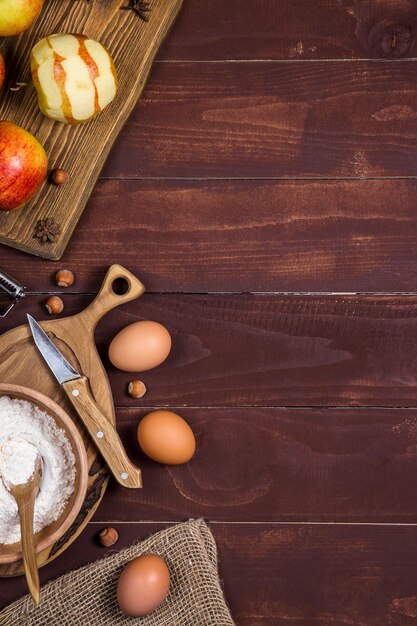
[[87, 596]]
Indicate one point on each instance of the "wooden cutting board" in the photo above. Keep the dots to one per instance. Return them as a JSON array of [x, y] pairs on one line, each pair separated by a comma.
[[82, 149], [21, 363]]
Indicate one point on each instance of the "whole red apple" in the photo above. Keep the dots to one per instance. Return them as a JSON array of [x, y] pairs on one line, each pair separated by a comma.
[[17, 15], [23, 166], [2, 70]]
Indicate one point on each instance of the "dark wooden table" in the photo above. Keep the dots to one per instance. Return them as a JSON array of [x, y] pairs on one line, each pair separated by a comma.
[[265, 191]]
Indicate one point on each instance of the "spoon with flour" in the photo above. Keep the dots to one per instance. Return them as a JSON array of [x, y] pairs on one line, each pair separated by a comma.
[[21, 469]]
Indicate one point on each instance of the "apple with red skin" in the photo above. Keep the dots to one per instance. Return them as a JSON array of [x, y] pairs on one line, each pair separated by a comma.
[[17, 15], [2, 70], [23, 166]]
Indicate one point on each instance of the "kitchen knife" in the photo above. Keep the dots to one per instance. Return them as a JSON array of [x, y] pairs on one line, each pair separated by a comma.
[[76, 386]]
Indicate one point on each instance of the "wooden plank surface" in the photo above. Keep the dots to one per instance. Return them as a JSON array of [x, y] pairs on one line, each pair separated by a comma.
[[261, 350], [293, 29], [292, 574], [79, 149], [273, 119], [266, 350], [257, 236], [332, 465]]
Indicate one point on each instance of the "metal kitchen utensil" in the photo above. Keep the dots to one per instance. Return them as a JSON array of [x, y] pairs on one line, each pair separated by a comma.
[[12, 288], [77, 388]]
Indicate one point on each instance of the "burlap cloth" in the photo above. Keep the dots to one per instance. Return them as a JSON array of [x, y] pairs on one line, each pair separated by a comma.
[[87, 596]]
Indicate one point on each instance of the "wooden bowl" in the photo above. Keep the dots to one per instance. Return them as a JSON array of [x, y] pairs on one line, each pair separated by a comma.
[[10, 553]]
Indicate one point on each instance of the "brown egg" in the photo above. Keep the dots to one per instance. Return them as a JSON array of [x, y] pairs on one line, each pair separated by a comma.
[[143, 585], [140, 347], [166, 437]]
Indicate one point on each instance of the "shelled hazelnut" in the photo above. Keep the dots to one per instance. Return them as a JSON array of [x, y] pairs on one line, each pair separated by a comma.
[[136, 389], [108, 537], [54, 305], [59, 177], [64, 278]]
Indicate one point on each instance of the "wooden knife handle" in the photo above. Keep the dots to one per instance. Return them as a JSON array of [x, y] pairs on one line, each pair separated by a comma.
[[103, 433]]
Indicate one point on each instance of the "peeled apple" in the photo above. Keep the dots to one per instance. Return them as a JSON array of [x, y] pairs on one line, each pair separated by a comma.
[[74, 76]]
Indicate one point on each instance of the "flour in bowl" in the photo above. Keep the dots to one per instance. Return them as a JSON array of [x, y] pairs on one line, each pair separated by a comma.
[[17, 461], [21, 424]]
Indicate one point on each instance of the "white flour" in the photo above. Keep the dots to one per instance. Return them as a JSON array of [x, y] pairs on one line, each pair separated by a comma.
[[21, 424], [17, 461]]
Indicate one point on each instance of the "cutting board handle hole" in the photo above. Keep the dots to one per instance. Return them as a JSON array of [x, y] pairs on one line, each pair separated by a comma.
[[120, 286]]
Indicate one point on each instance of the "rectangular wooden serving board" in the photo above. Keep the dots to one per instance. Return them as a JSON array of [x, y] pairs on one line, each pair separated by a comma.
[[81, 149]]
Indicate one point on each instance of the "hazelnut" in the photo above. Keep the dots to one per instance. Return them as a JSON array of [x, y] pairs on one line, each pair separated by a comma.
[[136, 389], [59, 177], [54, 305], [64, 278], [108, 537]]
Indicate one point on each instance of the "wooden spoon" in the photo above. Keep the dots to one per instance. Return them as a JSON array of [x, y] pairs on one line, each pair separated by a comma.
[[25, 496]]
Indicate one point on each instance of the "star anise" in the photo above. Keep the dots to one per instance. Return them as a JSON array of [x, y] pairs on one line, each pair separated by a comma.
[[47, 230], [141, 7]]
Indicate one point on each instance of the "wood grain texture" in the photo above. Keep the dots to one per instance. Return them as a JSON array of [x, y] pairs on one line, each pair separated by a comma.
[[332, 465], [266, 350], [315, 120], [293, 29], [108, 443], [302, 576], [247, 236], [81, 149], [254, 235], [243, 350], [292, 574]]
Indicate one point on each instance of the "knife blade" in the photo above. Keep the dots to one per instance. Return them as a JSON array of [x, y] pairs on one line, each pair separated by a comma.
[[76, 386], [58, 364]]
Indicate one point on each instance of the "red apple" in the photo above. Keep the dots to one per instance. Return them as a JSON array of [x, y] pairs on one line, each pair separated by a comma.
[[23, 166], [17, 15], [2, 70]]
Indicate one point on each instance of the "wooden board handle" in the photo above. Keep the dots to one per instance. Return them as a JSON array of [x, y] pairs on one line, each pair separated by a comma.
[[103, 433], [108, 299]]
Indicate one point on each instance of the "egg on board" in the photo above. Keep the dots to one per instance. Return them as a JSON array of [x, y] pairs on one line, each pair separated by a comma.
[[143, 585], [141, 346], [166, 438]]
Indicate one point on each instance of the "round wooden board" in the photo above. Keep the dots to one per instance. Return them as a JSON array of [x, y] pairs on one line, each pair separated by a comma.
[[22, 364]]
